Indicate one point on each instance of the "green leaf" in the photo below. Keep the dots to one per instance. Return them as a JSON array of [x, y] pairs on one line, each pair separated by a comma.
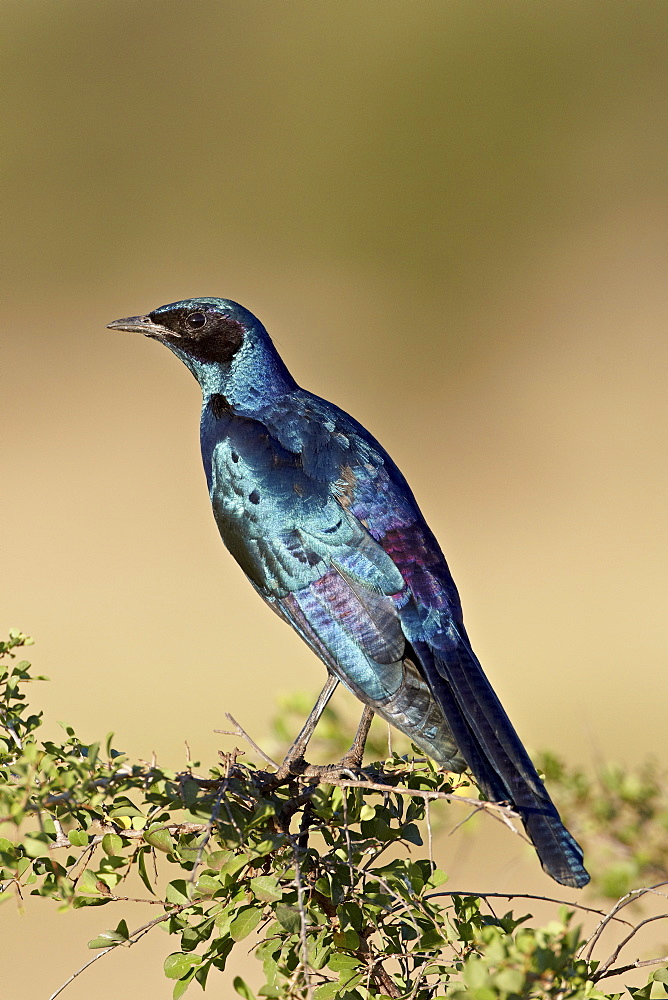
[[349, 939], [350, 915], [289, 918], [36, 844], [234, 864], [181, 986], [178, 891], [143, 874], [266, 888], [263, 812], [242, 989], [412, 834], [22, 866], [326, 992], [87, 881], [78, 838], [217, 859], [124, 807], [112, 844], [159, 838], [509, 980], [437, 877], [268, 844], [431, 939], [109, 939], [475, 974], [178, 965], [245, 922], [206, 885], [189, 791], [343, 963]]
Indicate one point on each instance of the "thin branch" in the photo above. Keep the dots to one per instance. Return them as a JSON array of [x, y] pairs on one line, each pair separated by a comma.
[[602, 972], [132, 899], [622, 969], [240, 731], [132, 939], [430, 842], [87, 850], [588, 946], [499, 811], [212, 819], [302, 918], [523, 895], [466, 819], [177, 828], [95, 958], [349, 846]]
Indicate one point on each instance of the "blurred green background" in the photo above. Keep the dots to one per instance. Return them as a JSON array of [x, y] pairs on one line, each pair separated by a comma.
[[451, 218]]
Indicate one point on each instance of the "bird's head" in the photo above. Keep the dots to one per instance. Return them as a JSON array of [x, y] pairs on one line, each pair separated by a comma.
[[218, 340], [207, 330]]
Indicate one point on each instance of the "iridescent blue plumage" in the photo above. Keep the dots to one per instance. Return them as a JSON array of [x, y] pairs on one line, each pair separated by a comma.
[[328, 532]]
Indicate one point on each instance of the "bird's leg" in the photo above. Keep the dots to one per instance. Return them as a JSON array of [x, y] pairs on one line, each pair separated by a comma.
[[353, 758], [294, 762]]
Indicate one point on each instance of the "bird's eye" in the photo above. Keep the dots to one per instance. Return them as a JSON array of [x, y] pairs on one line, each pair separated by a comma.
[[196, 321]]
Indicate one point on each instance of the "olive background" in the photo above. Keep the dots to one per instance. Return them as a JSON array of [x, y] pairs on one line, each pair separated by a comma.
[[451, 218]]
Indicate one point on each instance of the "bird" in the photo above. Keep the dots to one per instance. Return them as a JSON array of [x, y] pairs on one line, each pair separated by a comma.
[[326, 529]]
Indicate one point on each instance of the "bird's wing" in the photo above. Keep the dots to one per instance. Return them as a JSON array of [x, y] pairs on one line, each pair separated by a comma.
[[306, 555], [318, 567]]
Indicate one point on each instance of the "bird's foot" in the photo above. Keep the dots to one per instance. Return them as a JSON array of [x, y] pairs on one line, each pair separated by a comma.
[[348, 768], [343, 769]]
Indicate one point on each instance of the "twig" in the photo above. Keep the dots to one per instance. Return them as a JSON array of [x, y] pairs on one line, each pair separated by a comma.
[[465, 820], [132, 939], [349, 846], [384, 980], [83, 968], [403, 905], [88, 850], [602, 972], [177, 828], [503, 813], [522, 895], [212, 820], [240, 731], [430, 842], [302, 917], [620, 970], [588, 946]]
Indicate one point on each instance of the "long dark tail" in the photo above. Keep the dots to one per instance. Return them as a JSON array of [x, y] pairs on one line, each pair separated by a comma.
[[495, 756]]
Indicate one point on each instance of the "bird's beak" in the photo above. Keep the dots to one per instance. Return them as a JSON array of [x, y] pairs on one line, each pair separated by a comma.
[[138, 324]]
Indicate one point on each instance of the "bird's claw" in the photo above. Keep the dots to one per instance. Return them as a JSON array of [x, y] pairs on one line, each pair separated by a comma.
[[298, 767]]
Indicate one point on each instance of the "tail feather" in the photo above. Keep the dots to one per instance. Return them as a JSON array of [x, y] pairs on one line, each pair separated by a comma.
[[496, 757]]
